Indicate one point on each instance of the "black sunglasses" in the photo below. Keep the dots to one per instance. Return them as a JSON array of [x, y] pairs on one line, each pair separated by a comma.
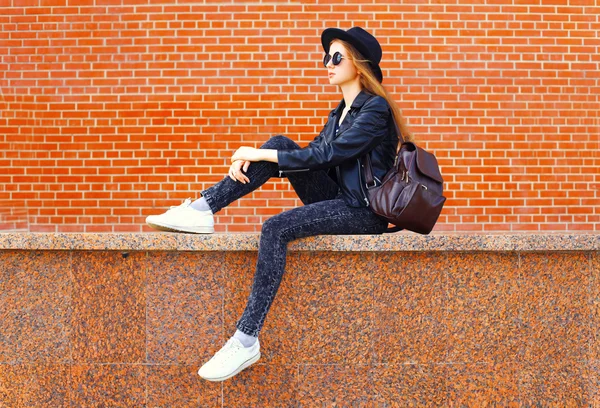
[[337, 58]]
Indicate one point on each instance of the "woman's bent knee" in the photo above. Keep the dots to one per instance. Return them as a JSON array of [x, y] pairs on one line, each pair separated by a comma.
[[275, 225], [280, 142]]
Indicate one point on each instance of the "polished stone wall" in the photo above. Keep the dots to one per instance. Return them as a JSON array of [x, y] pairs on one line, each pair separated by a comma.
[[397, 320]]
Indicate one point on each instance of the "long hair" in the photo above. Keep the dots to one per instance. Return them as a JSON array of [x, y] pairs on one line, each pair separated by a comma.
[[373, 86]]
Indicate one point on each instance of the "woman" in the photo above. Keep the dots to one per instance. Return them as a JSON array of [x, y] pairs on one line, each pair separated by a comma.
[[327, 176]]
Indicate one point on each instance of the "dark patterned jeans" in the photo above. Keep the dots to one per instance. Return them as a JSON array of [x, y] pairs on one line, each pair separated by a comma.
[[324, 213]]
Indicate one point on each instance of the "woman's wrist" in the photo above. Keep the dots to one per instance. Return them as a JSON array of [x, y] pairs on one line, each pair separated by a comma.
[[269, 155]]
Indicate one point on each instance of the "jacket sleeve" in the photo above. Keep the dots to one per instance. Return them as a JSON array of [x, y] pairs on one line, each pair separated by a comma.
[[316, 141], [319, 138], [368, 129]]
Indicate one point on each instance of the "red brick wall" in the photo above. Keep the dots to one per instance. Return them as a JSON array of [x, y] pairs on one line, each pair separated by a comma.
[[115, 109]]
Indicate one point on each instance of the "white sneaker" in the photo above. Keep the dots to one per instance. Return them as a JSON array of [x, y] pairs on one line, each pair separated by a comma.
[[230, 360], [183, 218]]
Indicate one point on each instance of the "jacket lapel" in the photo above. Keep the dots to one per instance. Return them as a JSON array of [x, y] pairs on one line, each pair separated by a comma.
[[346, 124], [333, 116], [357, 103]]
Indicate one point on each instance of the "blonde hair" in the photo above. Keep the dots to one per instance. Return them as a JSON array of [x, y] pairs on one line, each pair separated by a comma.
[[369, 83]]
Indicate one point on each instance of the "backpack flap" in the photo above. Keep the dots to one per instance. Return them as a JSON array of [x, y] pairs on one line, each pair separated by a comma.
[[428, 165]]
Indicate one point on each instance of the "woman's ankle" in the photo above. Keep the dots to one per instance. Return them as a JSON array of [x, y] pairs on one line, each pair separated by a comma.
[[200, 204]]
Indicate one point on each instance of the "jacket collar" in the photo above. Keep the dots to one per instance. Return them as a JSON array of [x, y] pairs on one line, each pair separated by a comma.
[[357, 103], [334, 115]]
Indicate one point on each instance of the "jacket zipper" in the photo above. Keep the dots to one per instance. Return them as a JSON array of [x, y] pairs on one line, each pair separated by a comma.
[[360, 182], [291, 171], [295, 171]]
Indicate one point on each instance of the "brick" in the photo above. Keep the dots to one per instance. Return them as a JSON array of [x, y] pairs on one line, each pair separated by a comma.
[[174, 133]]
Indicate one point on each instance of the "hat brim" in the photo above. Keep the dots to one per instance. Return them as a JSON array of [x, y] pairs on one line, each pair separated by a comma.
[[330, 34], [377, 72]]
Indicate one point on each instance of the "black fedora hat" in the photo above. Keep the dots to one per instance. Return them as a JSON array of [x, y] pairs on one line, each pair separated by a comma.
[[364, 42]]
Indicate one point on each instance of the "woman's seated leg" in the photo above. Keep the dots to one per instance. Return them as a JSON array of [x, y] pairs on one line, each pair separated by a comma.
[[185, 218]]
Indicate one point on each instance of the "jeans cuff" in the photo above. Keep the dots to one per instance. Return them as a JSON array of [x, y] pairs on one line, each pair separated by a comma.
[[247, 330], [209, 200]]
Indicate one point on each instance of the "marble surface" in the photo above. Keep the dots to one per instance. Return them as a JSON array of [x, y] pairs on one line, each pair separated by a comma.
[[183, 310], [401, 241], [108, 385], [451, 327], [34, 306], [35, 385], [180, 386], [108, 303]]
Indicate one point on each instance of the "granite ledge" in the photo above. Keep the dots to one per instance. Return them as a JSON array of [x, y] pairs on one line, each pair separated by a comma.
[[249, 242]]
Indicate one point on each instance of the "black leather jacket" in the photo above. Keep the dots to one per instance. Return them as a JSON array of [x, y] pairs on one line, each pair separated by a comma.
[[367, 127]]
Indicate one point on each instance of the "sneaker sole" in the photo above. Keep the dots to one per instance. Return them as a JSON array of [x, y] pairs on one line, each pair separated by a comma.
[[245, 365], [174, 228]]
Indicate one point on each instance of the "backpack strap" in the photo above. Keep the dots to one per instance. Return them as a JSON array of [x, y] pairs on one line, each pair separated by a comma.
[[400, 138], [369, 170], [367, 157]]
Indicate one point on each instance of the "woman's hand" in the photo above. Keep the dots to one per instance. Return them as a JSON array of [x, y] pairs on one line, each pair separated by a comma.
[[248, 154], [235, 171]]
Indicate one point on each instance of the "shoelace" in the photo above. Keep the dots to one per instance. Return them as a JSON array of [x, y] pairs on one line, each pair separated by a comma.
[[186, 203], [227, 346]]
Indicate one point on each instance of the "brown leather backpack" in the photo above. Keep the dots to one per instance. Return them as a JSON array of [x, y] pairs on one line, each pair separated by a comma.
[[410, 194]]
